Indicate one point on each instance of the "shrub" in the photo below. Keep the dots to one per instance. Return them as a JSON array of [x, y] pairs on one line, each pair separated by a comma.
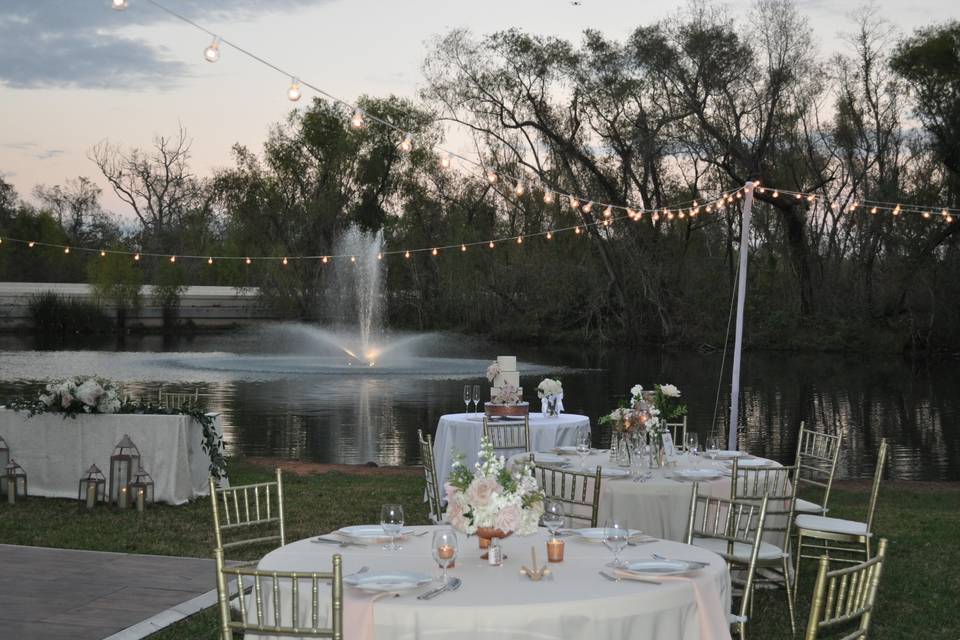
[[53, 313]]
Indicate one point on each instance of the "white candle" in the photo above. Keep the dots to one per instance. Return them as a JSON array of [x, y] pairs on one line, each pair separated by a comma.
[[91, 495], [141, 501], [122, 498]]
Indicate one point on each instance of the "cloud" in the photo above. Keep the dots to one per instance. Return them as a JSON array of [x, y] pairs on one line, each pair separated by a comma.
[[80, 43], [33, 150]]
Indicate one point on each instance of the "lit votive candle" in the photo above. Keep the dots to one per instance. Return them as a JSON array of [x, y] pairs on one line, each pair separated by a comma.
[[446, 552], [555, 550], [141, 501], [122, 498], [91, 495]]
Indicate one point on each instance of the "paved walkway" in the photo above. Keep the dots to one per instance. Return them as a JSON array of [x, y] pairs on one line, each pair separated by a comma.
[[54, 594]]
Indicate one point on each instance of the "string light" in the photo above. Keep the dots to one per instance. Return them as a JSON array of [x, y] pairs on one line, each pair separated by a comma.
[[284, 261], [173, 258], [445, 160], [519, 189], [491, 177], [294, 93], [380, 256], [548, 197], [407, 145], [356, 120], [66, 249], [608, 212], [31, 244], [491, 244], [103, 254], [136, 258], [323, 259], [873, 210], [353, 258], [776, 194], [587, 208], [926, 215], [574, 203], [212, 52], [576, 230], [549, 235], [119, 5], [248, 260], [519, 239], [463, 247], [406, 254], [434, 252]]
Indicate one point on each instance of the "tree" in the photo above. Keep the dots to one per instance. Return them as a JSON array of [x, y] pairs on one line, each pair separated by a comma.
[[76, 206]]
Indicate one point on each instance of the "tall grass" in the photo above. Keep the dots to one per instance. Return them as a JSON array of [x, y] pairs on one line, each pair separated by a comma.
[[53, 313]]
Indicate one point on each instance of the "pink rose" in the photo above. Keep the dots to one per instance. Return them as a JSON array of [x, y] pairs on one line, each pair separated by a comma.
[[450, 490], [509, 518], [65, 400], [481, 490]]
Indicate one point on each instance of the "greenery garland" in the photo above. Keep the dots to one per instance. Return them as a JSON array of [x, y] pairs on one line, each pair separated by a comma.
[[212, 439]]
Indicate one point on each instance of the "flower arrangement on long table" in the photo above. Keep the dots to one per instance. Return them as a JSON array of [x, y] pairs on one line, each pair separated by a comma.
[[81, 396]]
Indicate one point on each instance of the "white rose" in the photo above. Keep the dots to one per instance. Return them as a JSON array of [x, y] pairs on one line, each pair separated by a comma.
[[670, 390], [89, 392], [636, 390]]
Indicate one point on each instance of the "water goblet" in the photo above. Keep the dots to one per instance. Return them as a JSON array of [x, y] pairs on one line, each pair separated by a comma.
[[553, 516], [444, 548], [391, 519], [476, 398], [693, 444], [615, 534], [466, 399], [713, 447], [583, 447]]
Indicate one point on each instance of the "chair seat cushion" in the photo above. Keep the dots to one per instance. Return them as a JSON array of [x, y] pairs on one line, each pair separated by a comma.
[[831, 525], [805, 506], [741, 550]]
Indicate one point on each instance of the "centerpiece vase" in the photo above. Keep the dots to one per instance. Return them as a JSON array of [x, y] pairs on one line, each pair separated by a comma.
[[552, 411], [486, 534], [658, 456]]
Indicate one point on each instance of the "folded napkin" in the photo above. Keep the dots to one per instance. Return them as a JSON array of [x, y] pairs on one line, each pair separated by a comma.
[[712, 617]]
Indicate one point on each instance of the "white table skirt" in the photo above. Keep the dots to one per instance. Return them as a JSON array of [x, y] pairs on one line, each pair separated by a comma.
[[457, 432], [56, 452], [497, 603], [660, 506]]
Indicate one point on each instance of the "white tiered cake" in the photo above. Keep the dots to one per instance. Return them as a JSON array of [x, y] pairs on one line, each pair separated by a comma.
[[509, 377]]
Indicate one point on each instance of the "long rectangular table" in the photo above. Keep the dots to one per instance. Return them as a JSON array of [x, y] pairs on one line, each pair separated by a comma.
[[55, 451]]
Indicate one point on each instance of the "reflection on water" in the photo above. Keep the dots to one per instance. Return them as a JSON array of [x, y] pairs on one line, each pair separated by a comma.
[[298, 405]]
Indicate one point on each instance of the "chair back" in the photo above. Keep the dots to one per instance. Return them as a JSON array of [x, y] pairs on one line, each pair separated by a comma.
[[508, 434], [430, 473], [816, 460], [875, 489], [579, 491], [846, 596], [678, 431], [179, 399], [248, 510], [265, 604], [734, 521], [773, 483]]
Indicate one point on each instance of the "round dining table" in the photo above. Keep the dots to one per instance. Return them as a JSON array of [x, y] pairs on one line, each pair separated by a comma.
[[498, 603], [659, 505], [461, 433]]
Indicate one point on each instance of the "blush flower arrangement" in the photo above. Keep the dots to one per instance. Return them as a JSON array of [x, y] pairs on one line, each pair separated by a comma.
[[491, 497]]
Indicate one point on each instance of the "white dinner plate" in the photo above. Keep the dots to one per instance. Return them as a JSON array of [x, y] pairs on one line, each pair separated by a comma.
[[597, 534], [570, 451], [751, 462], [698, 474], [370, 532], [380, 581], [664, 567], [725, 454], [614, 472], [542, 457]]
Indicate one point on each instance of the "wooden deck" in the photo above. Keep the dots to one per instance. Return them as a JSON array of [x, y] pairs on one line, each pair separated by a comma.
[[54, 594]]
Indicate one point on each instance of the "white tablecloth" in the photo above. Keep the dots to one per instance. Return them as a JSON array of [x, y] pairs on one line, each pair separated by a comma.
[[461, 432], [497, 603], [660, 506], [56, 452]]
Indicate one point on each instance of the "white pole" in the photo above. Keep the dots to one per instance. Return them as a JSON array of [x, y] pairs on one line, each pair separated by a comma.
[[741, 297]]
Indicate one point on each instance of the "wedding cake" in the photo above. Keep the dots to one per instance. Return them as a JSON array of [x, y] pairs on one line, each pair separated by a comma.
[[506, 394]]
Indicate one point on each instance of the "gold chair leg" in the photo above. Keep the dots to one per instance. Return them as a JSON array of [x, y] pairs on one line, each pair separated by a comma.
[[796, 573], [790, 595]]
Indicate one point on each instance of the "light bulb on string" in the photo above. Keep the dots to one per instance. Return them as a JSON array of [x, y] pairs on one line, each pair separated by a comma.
[[294, 93], [406, 254], [209, 260], [587, 208], [356, 120], [491, 177], [248, 261], [775, 194], [896, 210], [173, 258], [491, 244], [353, 259], [680, 214], [608, 212], [519, 189], [136, 258], [103, 254], [549, 235], [655, 217], [324, 259], [380, 256], [739, 195], [285, 261], [31, 243], [463, 247], [670, 215], [66, 249], [576, 230], [119, 5], [548, 197], [445, 160], [926, 215], [212, 52], [434, 252], [606, 223], [574, 203], [407, 145], [519, 239], [811, 198], [797, 196]]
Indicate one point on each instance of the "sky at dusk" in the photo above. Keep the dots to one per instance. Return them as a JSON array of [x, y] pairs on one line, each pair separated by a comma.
[[75, 72]]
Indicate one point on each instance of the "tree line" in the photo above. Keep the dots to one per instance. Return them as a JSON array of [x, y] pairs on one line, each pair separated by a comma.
[[680, 110]]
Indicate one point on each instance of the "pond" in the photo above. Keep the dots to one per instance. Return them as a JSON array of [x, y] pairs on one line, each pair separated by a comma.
[[282, 395]]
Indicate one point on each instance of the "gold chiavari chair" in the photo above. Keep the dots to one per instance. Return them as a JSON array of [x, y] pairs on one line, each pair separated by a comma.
[[735, 528], [508, 434], [430, 473], [772, 483], [253, 509], [816, 464], [269, 615], [846, 597], [574, 490], [836, 538], [678, 431], [176, 400]]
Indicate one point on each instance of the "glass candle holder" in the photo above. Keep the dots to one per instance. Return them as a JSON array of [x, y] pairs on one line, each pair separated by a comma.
[[555, 550]]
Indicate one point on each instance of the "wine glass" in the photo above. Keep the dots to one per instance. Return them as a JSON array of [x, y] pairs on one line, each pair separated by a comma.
[[552, 516], [615, 534], [466, 399], [476, 398], [713, 447], [583, 447], [693, 443], [444, 549], [391, 519]]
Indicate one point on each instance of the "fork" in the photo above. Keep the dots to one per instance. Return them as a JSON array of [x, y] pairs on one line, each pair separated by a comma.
[[616, 579]]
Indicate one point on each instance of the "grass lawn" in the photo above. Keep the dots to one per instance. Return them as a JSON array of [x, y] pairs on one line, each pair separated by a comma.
[[919, 593]]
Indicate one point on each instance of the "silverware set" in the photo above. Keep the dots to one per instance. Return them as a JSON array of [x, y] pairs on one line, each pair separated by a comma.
[[452, 585]]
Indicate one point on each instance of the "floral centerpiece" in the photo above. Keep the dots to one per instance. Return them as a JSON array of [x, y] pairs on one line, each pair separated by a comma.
[[507, 394], [82, 395], [493, 371], [550, 392], [491, 501]]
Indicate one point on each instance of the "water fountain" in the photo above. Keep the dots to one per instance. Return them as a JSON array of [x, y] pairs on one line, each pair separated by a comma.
[[356, 294]]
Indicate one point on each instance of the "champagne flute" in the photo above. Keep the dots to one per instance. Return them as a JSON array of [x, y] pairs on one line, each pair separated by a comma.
[[444, 549], [693, 444], [466, 399], [583, 447], [615, 534], [391, 519], [476, 398], [552, 517]]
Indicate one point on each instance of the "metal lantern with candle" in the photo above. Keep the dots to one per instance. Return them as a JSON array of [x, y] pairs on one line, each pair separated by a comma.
[[4, 461], [16, 482], [92, 487], [141, 489], [124, 464]]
